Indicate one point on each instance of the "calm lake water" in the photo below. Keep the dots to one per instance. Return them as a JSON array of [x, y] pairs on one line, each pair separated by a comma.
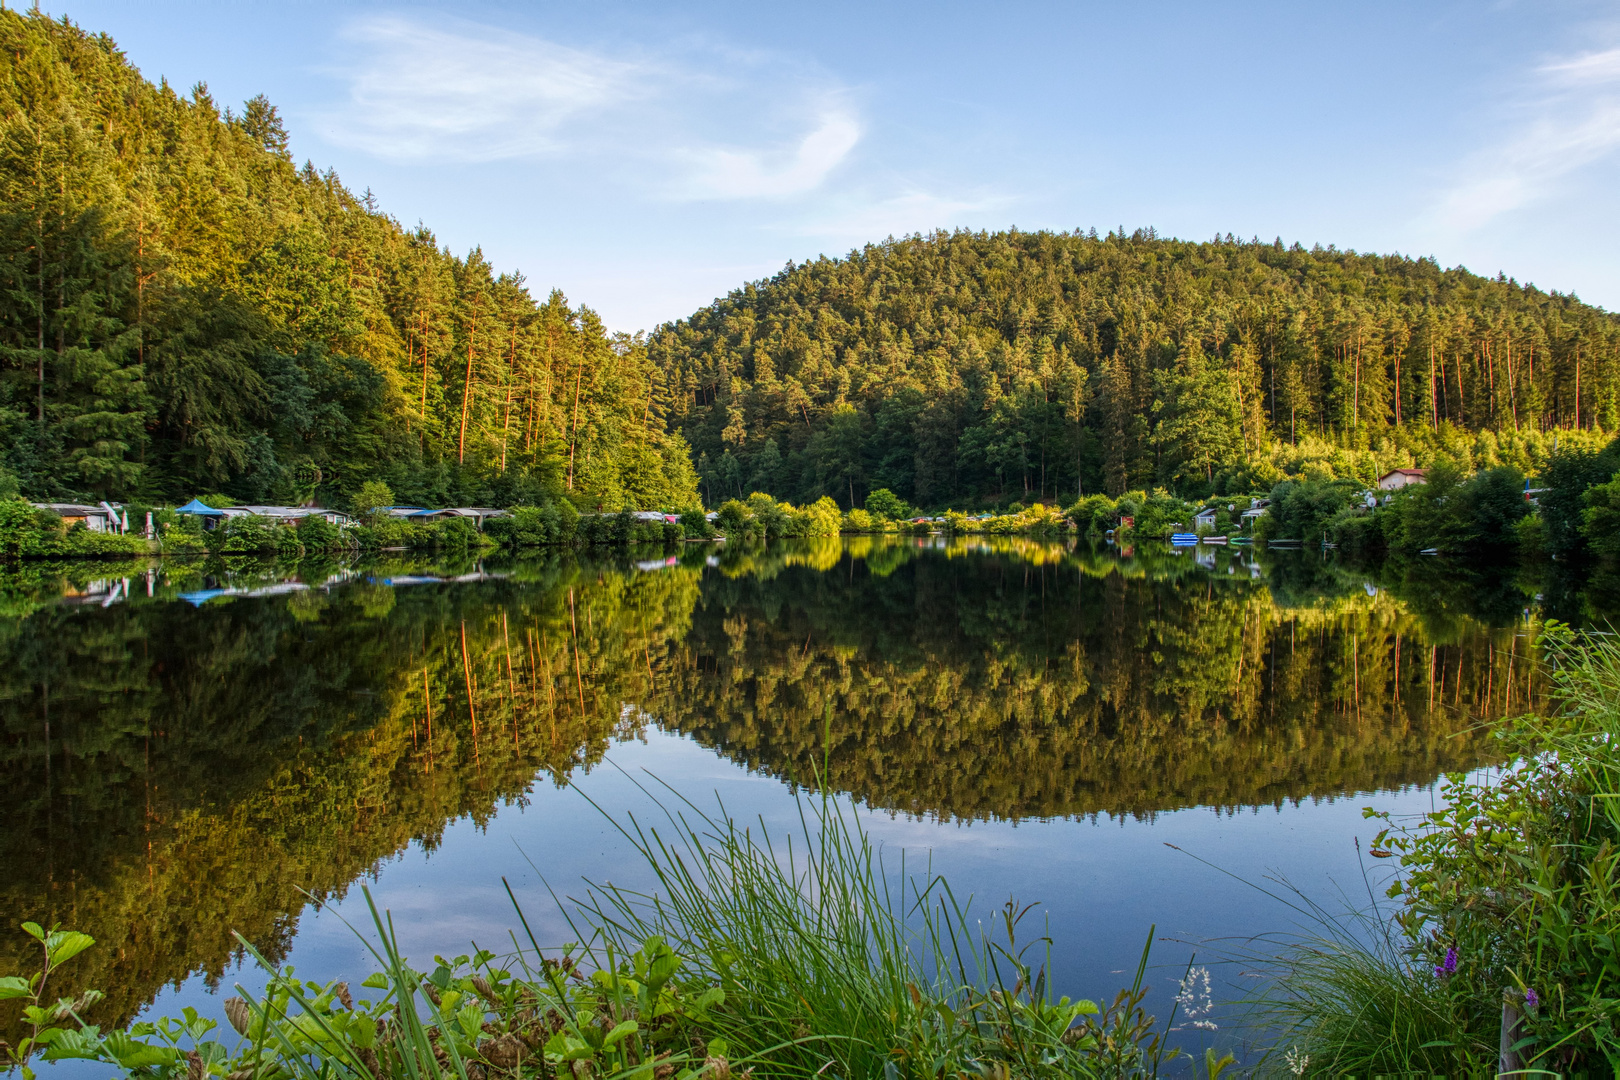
[[198, 749]]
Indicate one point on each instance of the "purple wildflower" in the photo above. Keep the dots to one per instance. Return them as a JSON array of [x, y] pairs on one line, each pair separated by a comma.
[[1449, 967], [1531, 999]]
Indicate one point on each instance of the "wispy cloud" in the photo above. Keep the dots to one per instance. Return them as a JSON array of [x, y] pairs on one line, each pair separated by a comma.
[[421, 91], [1568, 119], [462, 92], [732, 172]]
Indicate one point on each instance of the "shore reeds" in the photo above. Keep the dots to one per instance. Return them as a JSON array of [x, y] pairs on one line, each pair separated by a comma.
[[754, 955]]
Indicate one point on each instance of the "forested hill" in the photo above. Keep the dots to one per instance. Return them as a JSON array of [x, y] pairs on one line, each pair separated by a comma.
[[184, 310], [966, 366]]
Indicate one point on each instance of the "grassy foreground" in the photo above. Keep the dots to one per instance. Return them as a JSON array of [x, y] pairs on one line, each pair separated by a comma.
[[794, 957]]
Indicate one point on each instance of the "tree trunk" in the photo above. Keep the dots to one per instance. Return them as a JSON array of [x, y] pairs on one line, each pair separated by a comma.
[[466, 394]]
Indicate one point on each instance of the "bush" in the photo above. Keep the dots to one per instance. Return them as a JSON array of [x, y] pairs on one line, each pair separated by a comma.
[[371, 501], [1508, 890], [733, 518], [887, 506], [1094, 514], [31, 534], [695, 525], [315, 533], [1302, 509]]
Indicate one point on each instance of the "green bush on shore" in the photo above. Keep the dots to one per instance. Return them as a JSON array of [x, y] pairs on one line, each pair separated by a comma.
[[30, 533]]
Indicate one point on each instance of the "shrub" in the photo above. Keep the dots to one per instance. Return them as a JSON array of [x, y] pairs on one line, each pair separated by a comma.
[[886, 505], [696, 526], [315, 533], [733, 518], [1301, 509], [371, 500], [859, 520], [29, 533]]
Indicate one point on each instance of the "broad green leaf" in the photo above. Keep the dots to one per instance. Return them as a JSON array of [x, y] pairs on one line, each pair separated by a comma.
[[376, 981], [34, 930], [13, 986], [65, 945]]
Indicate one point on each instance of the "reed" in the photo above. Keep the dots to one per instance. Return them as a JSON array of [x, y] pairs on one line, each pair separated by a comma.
[[756, 955]]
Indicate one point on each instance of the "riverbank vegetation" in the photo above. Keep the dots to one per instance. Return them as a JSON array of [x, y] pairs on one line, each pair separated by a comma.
[[740, 966], [1502, 944]]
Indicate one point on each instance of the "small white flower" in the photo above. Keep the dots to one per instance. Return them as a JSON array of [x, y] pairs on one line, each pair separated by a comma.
[[1297, 1062]]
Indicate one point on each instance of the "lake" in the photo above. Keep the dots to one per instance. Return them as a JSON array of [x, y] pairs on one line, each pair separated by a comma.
[[196, 749]]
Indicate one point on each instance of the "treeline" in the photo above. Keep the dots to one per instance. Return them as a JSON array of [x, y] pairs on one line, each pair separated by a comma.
[[983, 368], [184, 310]]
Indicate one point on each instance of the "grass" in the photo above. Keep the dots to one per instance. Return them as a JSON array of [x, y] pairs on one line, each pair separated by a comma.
[[755, 955]]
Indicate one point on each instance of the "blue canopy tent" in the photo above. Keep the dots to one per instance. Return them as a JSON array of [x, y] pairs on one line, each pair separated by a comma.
[[195, 507]]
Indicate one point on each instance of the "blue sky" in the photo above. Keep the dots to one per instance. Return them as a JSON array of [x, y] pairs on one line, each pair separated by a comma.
[[646, 158]]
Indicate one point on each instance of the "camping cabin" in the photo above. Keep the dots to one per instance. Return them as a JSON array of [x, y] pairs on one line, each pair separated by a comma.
[[94, 518], [1204, 519], [1396, 479], [477, 514]]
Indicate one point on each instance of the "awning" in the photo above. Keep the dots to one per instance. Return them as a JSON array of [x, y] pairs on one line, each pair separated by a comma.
[[196, 507]]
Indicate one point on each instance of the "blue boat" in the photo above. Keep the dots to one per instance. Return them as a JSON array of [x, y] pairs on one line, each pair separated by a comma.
[[1183, 539]]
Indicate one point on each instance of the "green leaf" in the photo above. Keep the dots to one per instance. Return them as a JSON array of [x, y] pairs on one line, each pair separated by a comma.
[[376, 981], [65, 945], [34, 930], [13, 986], [620, 1030]]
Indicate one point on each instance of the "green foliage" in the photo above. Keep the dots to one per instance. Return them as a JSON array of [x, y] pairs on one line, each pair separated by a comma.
[[371, 500], [968, 368], [763, 516], [886, 505], [1302, 509], [33, 534], [1567, 477], [184, 309], [695, 525], [1507, 890]]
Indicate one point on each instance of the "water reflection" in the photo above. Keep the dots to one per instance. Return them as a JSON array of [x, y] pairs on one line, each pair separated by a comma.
[[188, 746]]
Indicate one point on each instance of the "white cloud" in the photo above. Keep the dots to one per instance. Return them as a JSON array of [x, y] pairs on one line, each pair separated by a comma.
[[425, 92], [728, 172], [460, 92], [1571, 119]]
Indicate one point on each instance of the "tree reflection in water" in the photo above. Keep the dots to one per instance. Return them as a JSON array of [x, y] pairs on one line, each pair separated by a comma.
[[179, 770]]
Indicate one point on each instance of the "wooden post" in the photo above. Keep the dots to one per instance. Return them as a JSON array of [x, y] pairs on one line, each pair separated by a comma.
[[1507, 1057]]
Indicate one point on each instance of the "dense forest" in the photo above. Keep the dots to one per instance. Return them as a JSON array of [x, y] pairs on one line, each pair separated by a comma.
[[971, 367], [184, 310]]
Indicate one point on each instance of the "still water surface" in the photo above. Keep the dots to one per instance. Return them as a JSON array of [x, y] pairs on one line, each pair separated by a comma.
[[200, 748]]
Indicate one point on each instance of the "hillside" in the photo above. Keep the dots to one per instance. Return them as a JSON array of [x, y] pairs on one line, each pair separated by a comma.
[[183, 309], [965, 367]]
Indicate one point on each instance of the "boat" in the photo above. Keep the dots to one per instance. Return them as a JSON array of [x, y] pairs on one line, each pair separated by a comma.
[[1282, 543], [1241, 540], [1183, 539], [1215, 540]]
